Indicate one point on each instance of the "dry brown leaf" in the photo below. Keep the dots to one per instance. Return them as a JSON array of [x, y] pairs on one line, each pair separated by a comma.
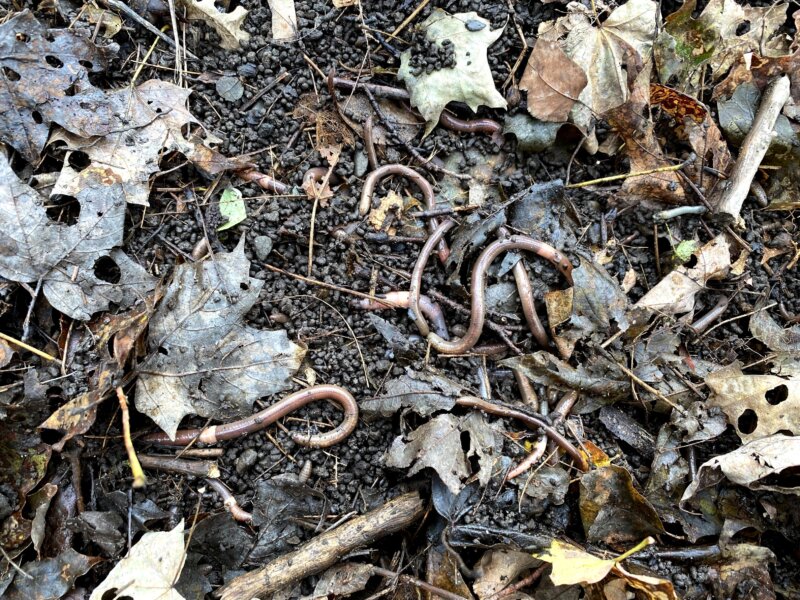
[[392, 202], [756, 405], [499, 568], [227, 25], [675, 293], [553, 82]]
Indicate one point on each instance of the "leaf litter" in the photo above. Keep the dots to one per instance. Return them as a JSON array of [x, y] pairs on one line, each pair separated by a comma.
[[657, 411]]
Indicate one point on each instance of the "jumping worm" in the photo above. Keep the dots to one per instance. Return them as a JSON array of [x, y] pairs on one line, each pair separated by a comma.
[[489, 126], [316, 175], [525, 291], [414, 307], [478, 287], [423, 185], [228, 499], [403, 300], [264, 418], [533, 421], [369, 143], [265, 181]]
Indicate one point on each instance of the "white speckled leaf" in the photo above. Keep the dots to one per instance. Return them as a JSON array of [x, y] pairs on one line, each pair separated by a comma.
[[470, 81]]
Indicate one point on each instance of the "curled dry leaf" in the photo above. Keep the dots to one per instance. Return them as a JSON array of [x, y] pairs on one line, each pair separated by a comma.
[[227, 25], [553, 82], [756, 405], [675, 293], [150, 570], [203, 359], [470, 81], [758, 465]]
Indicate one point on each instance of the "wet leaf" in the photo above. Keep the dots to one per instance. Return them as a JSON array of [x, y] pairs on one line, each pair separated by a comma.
[[44, 81], [51, 578], [758, 465], [532, 134], [103, 528], [604, 52], [612, 510], [68, 258], [156, 117], [545, 487], [756, 405], [6, 353], [341, 581], [572, 564], [744, 567], [232, 207], [227, 25], [111, 23], [203, 359], [675, 293], [437, 444], [497, 569], [220, 540], [553, 82], [142, 514], [230, 88], [424, 393], [150, 570], [470, 81], [785, 343], [23, 461], [39, 502], [391, 203], [441, 570]]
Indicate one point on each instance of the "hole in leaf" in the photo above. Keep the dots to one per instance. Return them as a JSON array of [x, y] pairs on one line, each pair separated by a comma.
[[186, 130], [777, 395], [37, 117], [71, 90], [79, 160], [86, 64], [53, 61], [63, 209], [691, 263], [743, 28], [747, 421], [244, 286], [106, 269], [788, 478], [11, 74], [22, 37], [162, 350]]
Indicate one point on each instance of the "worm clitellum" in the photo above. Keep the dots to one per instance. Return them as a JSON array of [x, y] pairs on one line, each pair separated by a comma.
[[428, 307], [264, 418], [478, 287], [265, 181], [423, 185]]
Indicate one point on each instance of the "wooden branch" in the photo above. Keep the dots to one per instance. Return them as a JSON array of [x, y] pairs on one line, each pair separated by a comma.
[[324, 551], [754, 147]]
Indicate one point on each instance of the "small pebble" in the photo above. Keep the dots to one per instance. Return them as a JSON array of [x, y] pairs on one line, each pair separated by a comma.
[[263, 246], [246, 460]]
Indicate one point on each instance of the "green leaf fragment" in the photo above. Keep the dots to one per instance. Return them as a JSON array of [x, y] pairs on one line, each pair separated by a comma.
[[231, 205]]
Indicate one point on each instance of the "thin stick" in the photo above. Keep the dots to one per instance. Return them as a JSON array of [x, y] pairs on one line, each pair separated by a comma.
[[410, 17], [144, 23], [418, 583], [139, 478], [649, 388], [322, 284], [176, 38], [10, 561], [754, 148], [669, 168], [196, 468], [145, 59], [25, 346]]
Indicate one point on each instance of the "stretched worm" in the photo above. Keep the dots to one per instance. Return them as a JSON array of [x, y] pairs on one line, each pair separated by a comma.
[[453, 123], [316, 175], [265, 181], [264, 418], [228, 499], [533, 421], [789, 317], [529, 399], [414, 307], [428, 307], [423, 185], [369, 143], [559, 415], [525, 291], [478, 287]]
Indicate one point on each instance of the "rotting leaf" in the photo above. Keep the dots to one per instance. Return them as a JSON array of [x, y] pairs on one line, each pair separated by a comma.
[[758, 465], [470, 81], [499, 568], [39, 502], [612, 510], [532, 134], [341, 581], [232, 207], [23, 462], [756, 405], [150, 570], [230, 88], [203, 359], [391, 203], [51, 578], [553, 82], [424, 393], [785, 343], [227, 25], [68, 258], [675, 293]]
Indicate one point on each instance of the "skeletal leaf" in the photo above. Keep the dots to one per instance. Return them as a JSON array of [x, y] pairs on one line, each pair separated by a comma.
[[470, 81], [150, 570], [553, 82], [756, 405], [227, 25], [203, 359], [764, 464], [232, 207]]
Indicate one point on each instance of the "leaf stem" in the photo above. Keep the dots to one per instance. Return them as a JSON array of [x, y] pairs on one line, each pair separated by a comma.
[[139, 478], [25, 346]]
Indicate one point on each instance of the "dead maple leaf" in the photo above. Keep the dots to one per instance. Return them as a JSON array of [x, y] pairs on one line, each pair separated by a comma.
[[553, 82]]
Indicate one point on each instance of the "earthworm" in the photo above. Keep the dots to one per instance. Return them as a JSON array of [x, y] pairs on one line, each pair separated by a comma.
[[525, 291], [423, 185], [228, 499], [198, 468], [200, 249], [529, 399], [264, 418], [789, 317], [369, 143], [478, 287], [316, 175], [428, 307], [712, 315], [559, 415], [415, 284], [265, 181], [531, 420], [490, 126], [305, 472]]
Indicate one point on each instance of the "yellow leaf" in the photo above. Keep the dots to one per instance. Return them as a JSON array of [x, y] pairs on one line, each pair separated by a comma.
[[573, 565]]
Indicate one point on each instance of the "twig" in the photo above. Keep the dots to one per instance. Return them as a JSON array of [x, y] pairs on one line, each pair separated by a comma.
[[327, 549], [418, 583], [649, 387], [10, 561], [410, 17], [144, 23], [26, 324], [753, 149], [672, 213], [677, 167], [322, 284], [25, 346], [139, 478], [196, 468], [142, 64]]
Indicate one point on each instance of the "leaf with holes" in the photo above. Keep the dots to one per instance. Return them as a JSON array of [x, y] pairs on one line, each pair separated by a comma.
[[159, 123], [469, 80], [756, 405], [203, 359], [74, 257]]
